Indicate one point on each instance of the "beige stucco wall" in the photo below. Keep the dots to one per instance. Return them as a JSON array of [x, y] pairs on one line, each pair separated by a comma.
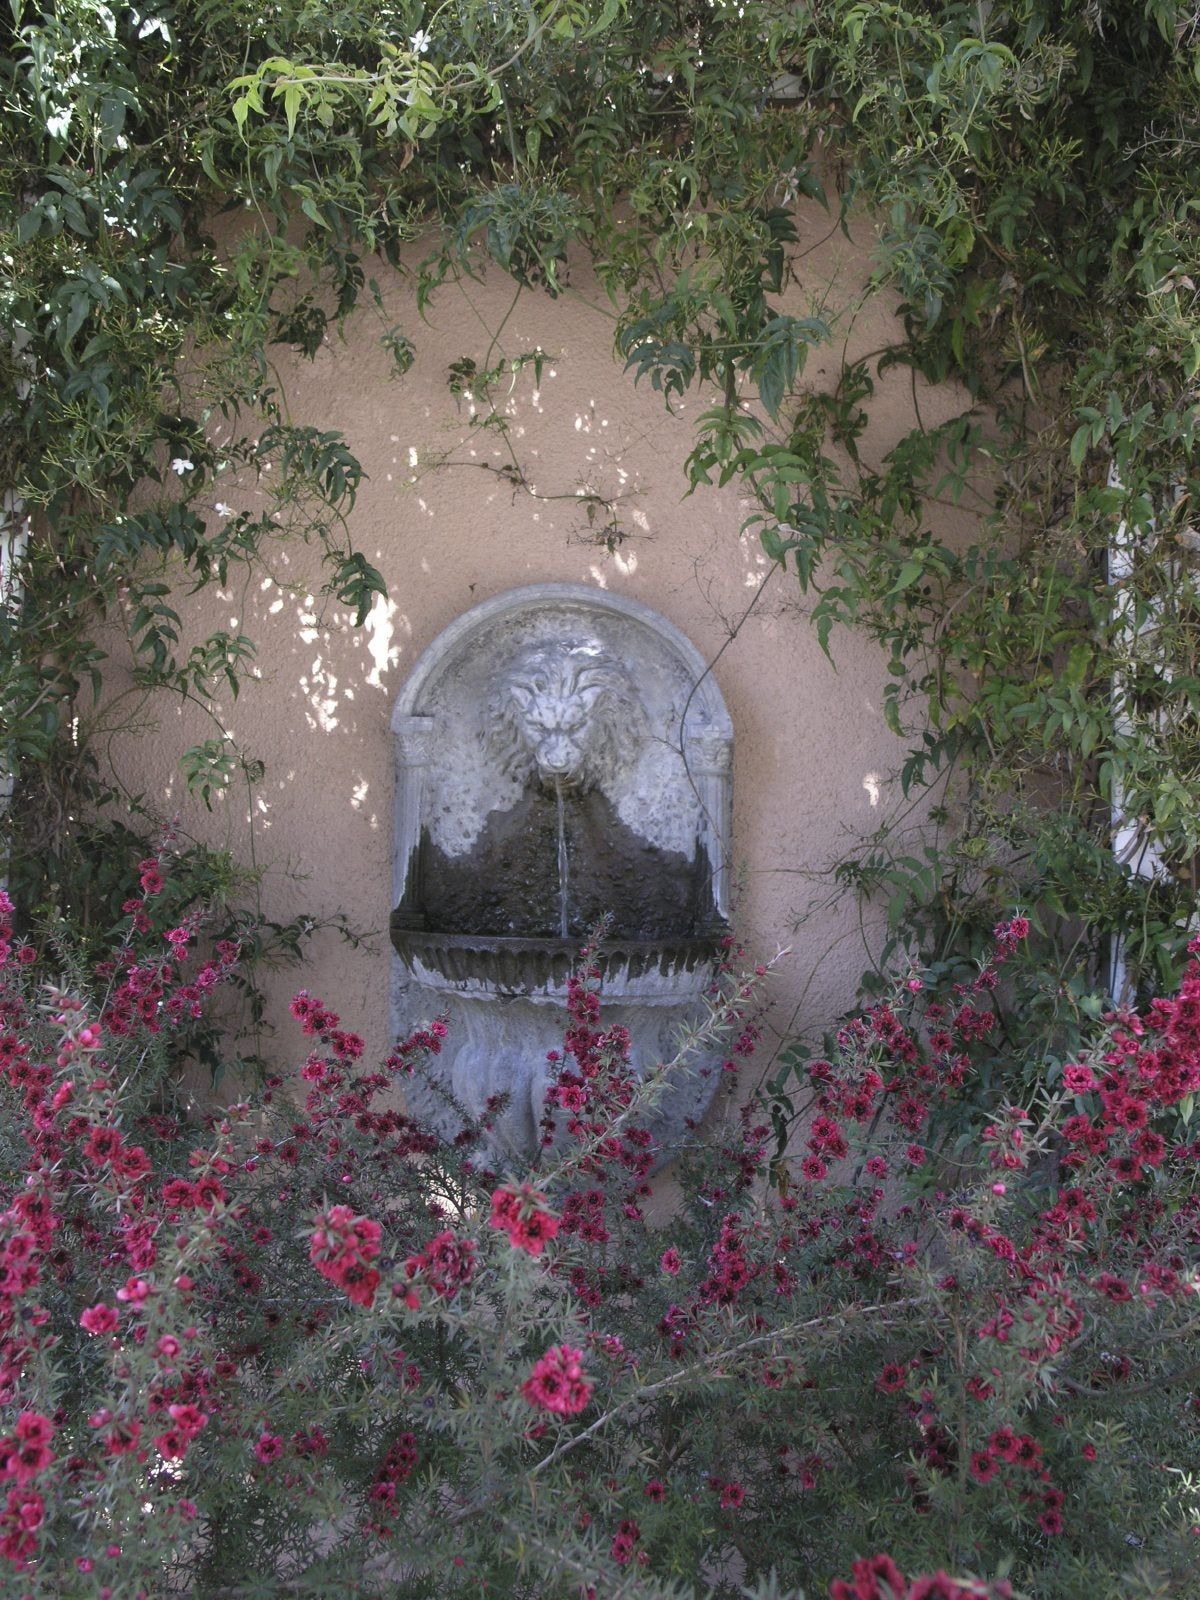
[[812, 754]]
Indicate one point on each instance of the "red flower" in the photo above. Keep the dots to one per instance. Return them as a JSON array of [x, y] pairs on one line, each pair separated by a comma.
[[624, 1540], [557, 1382], [342, 1248], [446, 1264], [99, 1319], [151, 876], [892, 1378], [1079, 1079], [131, 1164], [1003, 1444], [123, 1438], [27, 1452], [937, 1586], [1112, 1287], [523, 1214], [27, 1508], [866, 1577], [189, 1419], [172, 1445], [102, 1146]]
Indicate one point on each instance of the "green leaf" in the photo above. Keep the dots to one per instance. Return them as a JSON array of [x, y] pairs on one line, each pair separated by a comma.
[[911, 572], [292, 95]]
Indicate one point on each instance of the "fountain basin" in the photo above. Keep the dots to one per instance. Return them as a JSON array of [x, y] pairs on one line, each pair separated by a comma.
[[629, 968]]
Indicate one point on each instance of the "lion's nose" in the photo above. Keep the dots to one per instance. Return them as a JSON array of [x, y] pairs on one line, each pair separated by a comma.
[[557, 759]]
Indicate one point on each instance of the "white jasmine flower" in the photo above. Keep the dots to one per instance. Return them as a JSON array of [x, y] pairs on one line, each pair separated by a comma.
[[223, 510], [180, 465], [419, 43], [149, 25]]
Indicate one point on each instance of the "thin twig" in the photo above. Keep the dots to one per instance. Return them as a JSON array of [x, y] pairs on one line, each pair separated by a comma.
[[718, 1356]]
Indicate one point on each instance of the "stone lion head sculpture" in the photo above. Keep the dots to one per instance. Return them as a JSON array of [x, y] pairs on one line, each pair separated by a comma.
[[567, 715]]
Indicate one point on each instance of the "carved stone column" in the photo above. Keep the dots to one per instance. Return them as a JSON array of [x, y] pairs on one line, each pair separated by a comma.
[[414, 747], [708, 756]]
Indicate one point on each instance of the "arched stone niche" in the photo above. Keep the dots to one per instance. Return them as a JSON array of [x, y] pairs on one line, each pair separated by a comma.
[[561, 753]]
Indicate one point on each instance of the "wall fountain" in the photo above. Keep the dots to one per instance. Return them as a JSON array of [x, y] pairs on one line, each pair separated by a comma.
[[562, 754]]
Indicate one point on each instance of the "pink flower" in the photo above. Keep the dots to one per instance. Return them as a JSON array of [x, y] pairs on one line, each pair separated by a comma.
[[557, 1382], [524, 1215], [102, 1146], [269, 1448], [1003, 1444], [27, 1451], [342, 1248], [123, 1438], [624, 1540], [188, 1418], [671, 1262], [867, 1576], [151, 876], [28, 1508], [100, 1319], [445, 1265]]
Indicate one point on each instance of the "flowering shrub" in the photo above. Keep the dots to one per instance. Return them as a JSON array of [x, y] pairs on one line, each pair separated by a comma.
[[309, 1348]]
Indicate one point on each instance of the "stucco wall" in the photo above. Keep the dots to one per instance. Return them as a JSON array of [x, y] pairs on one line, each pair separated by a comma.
[[812, 754]]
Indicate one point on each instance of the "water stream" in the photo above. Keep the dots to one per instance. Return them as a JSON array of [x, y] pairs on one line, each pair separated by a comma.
[[562, 860]]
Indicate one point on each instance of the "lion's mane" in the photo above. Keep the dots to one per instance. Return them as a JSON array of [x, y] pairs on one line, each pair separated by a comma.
[[585, 677]]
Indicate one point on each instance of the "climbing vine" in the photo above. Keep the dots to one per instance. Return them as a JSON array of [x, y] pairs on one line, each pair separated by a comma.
[[1029, 168]]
